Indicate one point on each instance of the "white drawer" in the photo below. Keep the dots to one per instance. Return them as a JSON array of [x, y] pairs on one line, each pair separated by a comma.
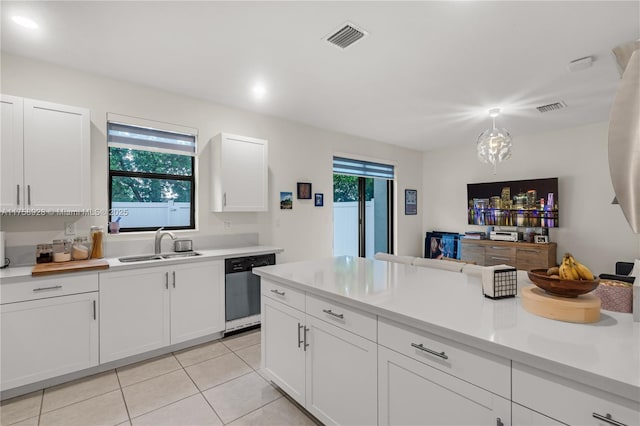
[[482, 369], [33, 288], [570, 402], [283, 294], [350, 319]]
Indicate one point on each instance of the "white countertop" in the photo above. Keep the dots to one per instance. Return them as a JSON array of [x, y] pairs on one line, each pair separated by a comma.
[[605, 355], [12, 274]]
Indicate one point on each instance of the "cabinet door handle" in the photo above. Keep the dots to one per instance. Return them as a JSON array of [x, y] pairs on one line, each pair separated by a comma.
[[224, 199], [330, 312], [500, 258], [299, 341], [432, 352], [55, 287], [94, 309], [174, 278], [607, 419], [18, 194], [29, 194], [305, 338], [279, 293], [166, 280]]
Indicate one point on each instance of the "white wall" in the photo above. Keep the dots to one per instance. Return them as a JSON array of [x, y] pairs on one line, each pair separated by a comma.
[[591, 228], [296, 153]]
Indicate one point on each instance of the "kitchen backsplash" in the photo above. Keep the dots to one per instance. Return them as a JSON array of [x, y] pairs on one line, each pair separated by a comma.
[[114, 247]]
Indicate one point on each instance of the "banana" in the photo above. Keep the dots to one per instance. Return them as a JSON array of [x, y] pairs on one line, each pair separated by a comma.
[[583, 272], [554, 270], [567, 269]]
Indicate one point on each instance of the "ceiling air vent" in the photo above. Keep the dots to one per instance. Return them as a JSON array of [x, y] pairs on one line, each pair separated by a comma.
[[552, 107], [346, 36]]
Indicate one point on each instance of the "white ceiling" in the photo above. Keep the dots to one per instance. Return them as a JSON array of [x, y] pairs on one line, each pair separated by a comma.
[[424, 77]]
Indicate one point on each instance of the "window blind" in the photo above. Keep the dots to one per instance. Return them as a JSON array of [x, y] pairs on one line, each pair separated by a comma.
[[347, 166], [149, 139]]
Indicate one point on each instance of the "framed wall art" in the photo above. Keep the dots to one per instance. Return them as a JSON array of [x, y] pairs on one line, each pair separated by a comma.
[[410, 201], [318, 200], [304, 190], [286, 200]]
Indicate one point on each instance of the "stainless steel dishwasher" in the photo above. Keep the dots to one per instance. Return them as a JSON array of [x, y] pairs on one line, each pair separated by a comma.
[[242, 291]]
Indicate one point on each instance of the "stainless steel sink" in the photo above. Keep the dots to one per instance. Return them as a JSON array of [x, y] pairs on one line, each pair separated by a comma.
[[143, 258], [146, 257], [178, 255]]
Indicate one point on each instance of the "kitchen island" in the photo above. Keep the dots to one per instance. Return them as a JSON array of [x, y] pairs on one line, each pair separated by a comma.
[[430, 332]]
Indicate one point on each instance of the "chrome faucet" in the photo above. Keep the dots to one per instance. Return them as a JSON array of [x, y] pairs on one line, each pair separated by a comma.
[[158, 241]]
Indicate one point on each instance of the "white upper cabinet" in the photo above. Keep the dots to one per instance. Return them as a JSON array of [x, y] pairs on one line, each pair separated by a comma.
[[239, 170], [11, 153], [45, 155]]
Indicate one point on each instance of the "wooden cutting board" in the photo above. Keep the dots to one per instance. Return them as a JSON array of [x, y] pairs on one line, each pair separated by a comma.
[[581, 309], [72, 266]]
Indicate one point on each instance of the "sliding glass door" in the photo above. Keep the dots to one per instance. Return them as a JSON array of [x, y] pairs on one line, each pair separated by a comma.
[[362, 208]]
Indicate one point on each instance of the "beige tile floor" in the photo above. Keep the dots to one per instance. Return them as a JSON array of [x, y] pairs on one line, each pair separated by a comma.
[[217, 383]]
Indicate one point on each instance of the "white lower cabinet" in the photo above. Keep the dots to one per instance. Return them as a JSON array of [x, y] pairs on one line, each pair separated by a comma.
[[413, 393], [522, 416], [341, 375], [197, 300], [283, 355], [326, 369], [48, 337], [149, 308], [578, 404]]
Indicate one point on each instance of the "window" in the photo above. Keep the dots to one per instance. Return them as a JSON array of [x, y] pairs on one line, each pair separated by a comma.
[[151, 174], [362, 207]]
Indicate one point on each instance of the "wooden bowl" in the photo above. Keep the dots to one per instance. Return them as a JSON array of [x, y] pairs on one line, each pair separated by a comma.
[[560, 287]]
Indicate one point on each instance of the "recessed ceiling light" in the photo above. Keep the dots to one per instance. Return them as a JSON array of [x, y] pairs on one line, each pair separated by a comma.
[[259, 91], [25, 22]]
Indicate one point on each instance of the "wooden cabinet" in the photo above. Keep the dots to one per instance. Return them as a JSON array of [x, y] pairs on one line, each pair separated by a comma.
[[326, 368], [500, 255], [48, 336], [45, 155], [579, 404], [523, 256], [149, 308], [413, 393], [239, 168]]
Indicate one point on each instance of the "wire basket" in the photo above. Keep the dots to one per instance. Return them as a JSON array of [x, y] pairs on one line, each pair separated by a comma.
[[505, 284]]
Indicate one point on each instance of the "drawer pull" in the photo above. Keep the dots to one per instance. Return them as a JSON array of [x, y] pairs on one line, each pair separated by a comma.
[[279, 293], [500, 248], [500, 258], [330, 312], [299, 341], [55, 287], [529, 250], [607, 419], [432, 352]]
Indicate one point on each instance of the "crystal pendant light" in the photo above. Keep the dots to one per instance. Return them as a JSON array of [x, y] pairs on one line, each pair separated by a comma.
[[494, 145]]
